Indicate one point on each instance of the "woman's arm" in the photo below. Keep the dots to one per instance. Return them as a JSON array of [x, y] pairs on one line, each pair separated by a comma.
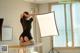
[[21, 15], [32, 15]]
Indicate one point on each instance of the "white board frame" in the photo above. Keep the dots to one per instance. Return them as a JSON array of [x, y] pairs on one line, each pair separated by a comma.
[[54, 20], [7, 33]]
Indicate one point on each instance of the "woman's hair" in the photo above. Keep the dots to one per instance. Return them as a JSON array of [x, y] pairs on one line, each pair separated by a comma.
[[26, 12]]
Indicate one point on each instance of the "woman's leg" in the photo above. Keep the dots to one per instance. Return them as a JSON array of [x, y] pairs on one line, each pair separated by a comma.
[[26, 39], [21, 39]]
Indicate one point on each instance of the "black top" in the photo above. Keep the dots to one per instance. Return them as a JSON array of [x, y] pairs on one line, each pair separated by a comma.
[[26, 25]]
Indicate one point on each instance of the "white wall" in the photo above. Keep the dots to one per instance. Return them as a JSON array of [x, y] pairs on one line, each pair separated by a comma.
[[46, 41], [10, 10]]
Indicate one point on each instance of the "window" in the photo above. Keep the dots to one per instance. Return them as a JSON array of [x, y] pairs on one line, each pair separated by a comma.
[[76, 23], [68, 25], [60, 40], [65, 14]]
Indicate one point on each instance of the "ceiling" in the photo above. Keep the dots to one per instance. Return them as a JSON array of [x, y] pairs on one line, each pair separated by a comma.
[[51, 1], [41, 1]]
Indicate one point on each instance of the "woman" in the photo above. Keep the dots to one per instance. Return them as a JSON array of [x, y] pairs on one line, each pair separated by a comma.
[[26, 20]]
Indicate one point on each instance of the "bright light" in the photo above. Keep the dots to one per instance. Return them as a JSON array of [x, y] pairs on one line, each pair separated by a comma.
[[70, 44]]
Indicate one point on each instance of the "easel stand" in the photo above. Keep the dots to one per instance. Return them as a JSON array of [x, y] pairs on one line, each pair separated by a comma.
[[52, 50]]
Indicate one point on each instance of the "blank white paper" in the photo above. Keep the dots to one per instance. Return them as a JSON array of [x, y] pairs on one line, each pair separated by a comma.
[[47, 24]]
